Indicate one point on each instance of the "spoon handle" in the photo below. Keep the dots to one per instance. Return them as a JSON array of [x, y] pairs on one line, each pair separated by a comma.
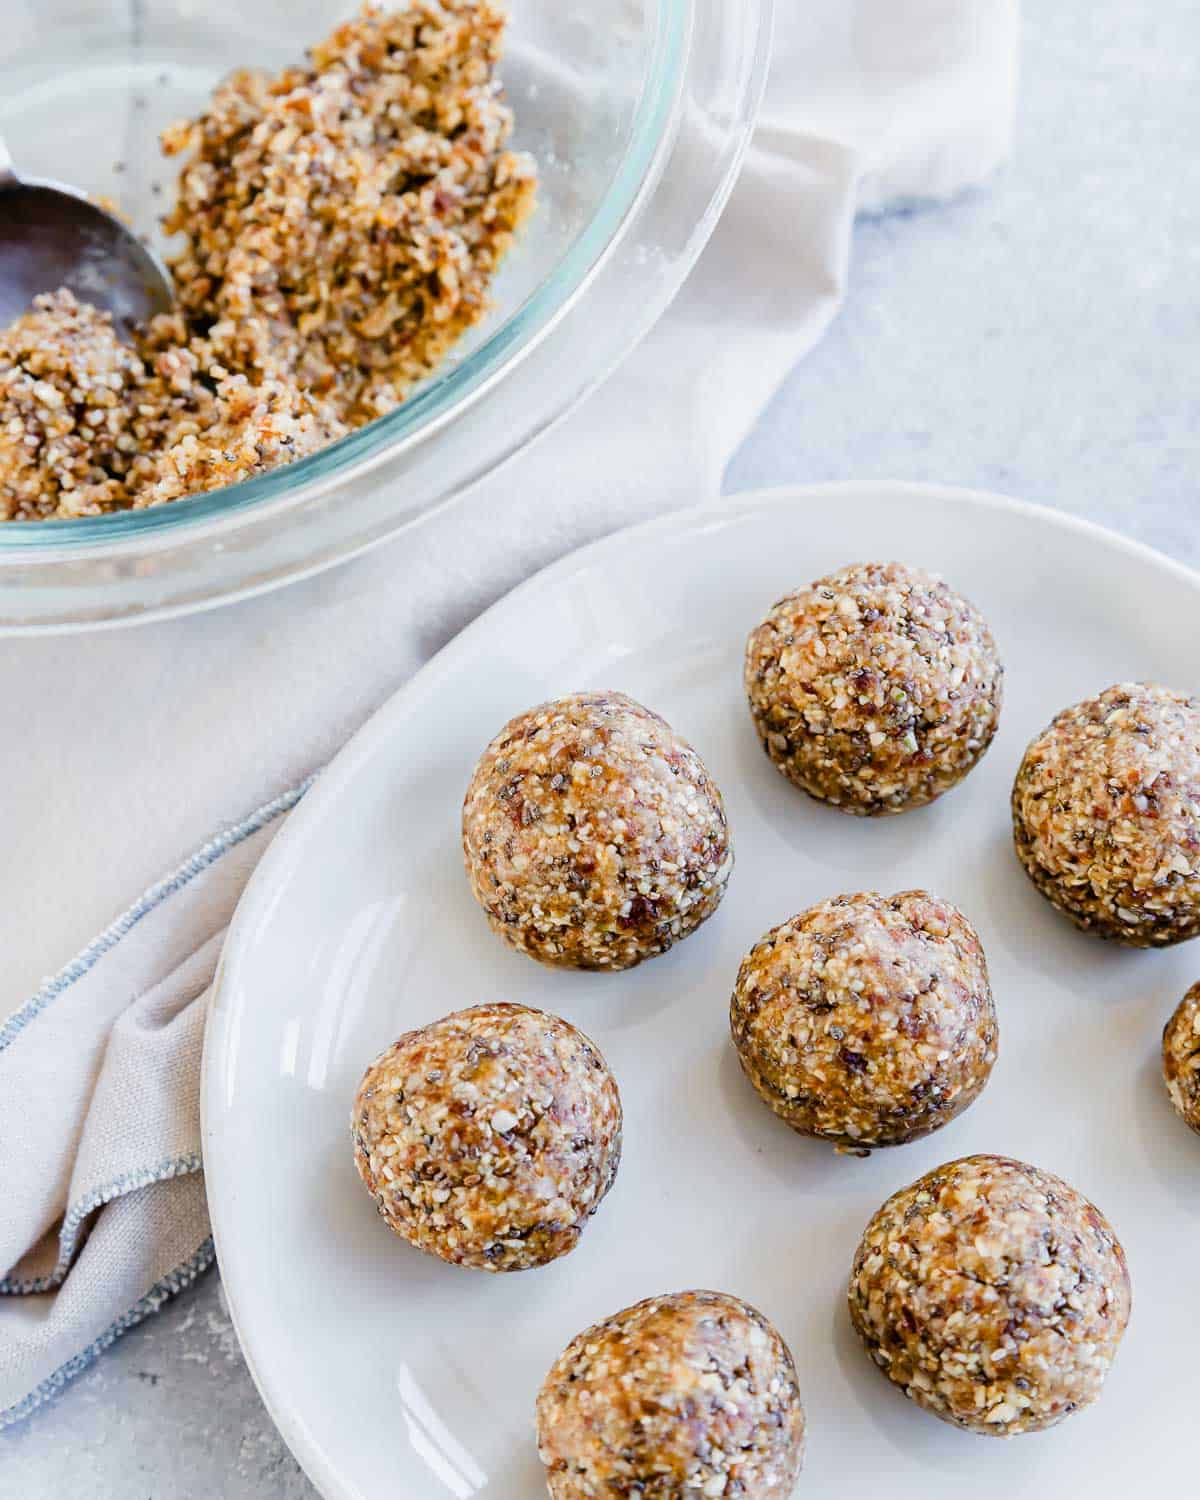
[[8, 177]]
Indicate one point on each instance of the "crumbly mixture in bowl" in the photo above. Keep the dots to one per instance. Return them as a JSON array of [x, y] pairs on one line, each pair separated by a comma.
[[593, 835], [692, 1394], [1106, 814], [1181, 1057], [88, 424], [993, 1294], [875, 689], [342, 222], [867, 1020], [490, 1137]]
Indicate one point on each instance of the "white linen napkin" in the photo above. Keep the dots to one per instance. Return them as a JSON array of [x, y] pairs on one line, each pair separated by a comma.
[[123, 749]]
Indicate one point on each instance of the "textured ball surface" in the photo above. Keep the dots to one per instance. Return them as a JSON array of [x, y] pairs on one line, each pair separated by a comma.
[[490, 1137], [692, 1394], [594, 836], [993, 1294], [1106, 814], [867, 1020], [1181, 1057], [875, 689]]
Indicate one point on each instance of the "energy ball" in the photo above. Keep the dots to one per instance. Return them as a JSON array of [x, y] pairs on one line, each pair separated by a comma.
[[594, 836], [993, 1294], [867, 1020], [875, 689], [1181, 1057], [489, 1138], [1106, 814], [692, 1394]]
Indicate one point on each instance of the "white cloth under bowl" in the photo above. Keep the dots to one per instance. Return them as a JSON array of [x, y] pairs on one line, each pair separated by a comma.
[[123, 750]]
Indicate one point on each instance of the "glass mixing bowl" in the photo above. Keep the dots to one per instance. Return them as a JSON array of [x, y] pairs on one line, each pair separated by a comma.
[[613, 97]]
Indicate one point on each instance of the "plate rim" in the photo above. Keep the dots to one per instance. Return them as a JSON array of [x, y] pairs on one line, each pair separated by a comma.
[[344, 763]]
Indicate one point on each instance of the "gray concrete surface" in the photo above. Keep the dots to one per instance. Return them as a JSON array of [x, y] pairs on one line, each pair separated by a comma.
[[1041, 339]]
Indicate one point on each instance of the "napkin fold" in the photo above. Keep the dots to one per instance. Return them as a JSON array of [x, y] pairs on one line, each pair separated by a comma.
[[150, 736]]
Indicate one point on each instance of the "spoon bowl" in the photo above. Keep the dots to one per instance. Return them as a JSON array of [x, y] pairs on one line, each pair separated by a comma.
[[53, 236], [637, 113]]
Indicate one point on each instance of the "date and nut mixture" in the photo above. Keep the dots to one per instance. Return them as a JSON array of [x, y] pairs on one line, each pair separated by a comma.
[[1181, 1057], [992, 1294], [341, 220], [694, 1393], [875, 689], [867, 1020], [1106, 814], [489, 1138], [593, 835]]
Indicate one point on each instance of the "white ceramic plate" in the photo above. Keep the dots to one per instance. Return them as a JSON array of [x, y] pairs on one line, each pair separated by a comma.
[[392, 1374]]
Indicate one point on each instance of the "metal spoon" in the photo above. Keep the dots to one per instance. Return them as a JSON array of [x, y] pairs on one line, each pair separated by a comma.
[[52, 235]]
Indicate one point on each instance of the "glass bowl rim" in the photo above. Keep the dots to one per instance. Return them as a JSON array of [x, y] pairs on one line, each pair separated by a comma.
[[448, 393]]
